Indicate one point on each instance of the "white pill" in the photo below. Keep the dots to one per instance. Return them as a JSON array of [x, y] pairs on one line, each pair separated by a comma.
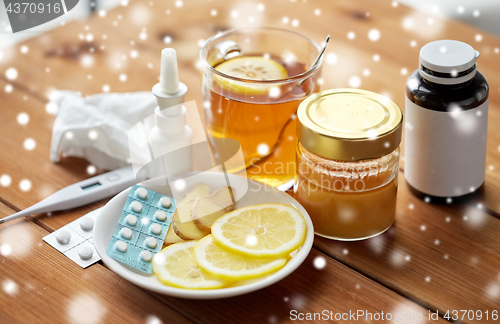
[[151, 242], [63, 237], [161, 215], [146, 256], [126, 233], [131, 219], [155, 228], [141, 193], [136, 206], [85, 253], [165, 202], [87, 223], [121, 246]]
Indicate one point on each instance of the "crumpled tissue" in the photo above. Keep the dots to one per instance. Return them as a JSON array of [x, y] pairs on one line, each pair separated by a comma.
[[96, 127]]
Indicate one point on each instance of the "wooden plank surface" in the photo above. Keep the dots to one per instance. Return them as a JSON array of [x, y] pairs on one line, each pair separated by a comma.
[[30, 269], [441, 256], [462, 267], [308, 290], [42, 285]]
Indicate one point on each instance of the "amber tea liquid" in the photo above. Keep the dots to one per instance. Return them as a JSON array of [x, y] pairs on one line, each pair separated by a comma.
[[264, 125]]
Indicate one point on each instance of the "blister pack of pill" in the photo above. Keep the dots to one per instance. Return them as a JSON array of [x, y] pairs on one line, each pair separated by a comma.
[[141, 229], [75, 240]]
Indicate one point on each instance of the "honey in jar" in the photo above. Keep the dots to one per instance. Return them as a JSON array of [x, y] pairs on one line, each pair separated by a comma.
[[348, 162]]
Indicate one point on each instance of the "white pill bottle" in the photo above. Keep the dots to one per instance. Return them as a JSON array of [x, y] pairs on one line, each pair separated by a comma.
[[446, 120]]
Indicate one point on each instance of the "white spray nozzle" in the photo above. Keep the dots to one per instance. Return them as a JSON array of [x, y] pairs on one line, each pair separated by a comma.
[[169, 74], [169, 91]]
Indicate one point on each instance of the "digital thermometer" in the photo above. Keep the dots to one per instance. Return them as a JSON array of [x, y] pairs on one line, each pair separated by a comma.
[[83, 192]]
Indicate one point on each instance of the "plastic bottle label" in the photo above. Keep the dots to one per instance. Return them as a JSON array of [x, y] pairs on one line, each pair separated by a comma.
[[445, 152]]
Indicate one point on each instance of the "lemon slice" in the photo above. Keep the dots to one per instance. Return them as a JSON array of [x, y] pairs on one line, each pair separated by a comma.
[[228, 266], [175, 265], [260, 231], [250, 67]]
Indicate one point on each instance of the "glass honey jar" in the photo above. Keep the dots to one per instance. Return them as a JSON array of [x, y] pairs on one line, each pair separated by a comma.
[[348, 162]]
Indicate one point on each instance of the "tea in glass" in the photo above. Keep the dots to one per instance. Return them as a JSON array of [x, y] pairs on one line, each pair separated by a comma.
[[252, 94]]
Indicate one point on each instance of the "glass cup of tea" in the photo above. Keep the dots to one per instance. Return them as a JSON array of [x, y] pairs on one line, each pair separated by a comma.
[[253, 81]]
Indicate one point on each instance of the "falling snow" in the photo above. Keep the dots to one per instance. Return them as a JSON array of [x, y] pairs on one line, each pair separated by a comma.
[[51, 108], [263, 149], [87, 60], [274, 92], [93, 134], [298, 302], [319, 262], [374, 35], [11, 74], [86, 309], [5, 180], [91, 170], [152, 319], [167, 39], [5, 250], [25, 185], [29, 144], [354, 81], [10, 287], [331, 58], [23, 118], [251, 240], [351, 35]]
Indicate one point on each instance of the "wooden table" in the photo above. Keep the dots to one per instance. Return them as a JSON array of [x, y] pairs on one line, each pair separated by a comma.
[[435, 258]]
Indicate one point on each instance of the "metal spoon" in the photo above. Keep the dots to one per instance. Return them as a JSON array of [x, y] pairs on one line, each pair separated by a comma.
[[316, 62]]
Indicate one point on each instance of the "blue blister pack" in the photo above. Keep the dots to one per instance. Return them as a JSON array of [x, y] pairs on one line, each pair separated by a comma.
[[141, 228]]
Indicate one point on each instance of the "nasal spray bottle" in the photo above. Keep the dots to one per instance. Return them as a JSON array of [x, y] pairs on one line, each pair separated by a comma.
[[170, 133]]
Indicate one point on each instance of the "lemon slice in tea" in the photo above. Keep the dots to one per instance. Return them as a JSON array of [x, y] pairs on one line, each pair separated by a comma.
[[260, 231], [175, 265], [250, 67]]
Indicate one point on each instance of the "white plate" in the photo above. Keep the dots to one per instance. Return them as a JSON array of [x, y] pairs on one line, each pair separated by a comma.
[[257, 193]]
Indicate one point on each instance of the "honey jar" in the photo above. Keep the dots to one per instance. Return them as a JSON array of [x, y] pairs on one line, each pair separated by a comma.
[[348, 162]]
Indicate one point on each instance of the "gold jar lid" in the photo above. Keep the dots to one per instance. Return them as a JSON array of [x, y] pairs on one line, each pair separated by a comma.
[[349, 124]]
